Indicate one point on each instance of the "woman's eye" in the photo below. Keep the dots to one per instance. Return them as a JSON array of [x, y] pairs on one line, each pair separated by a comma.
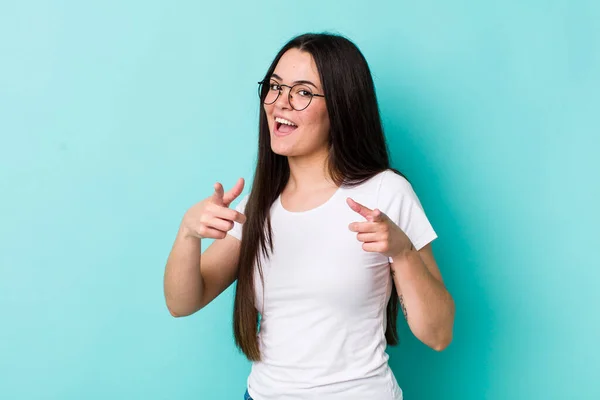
[[274, 87], [304, 93]]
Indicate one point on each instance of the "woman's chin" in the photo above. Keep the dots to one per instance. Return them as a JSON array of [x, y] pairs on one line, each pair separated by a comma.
[[281, 146], [282, 151]]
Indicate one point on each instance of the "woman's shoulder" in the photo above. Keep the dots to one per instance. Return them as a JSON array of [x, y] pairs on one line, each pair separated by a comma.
[[386, 182], [383, 187], [395, 187], [392, 183]]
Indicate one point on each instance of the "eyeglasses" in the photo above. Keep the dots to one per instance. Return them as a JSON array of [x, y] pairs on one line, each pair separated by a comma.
[[299, 97]]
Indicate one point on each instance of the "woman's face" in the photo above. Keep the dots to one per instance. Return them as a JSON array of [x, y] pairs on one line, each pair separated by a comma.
[[310, 130]]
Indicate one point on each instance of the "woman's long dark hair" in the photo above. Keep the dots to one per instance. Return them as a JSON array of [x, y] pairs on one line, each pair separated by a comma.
[[357, 152]]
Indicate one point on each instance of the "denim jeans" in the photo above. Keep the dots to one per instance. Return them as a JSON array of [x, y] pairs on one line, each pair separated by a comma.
[[247, 396]]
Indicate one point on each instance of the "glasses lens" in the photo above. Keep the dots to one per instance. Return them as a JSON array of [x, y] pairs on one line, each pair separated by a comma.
[[272, 92], [301, 97]]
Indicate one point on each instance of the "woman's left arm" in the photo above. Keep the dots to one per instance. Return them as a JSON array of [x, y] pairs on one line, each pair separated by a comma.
[[425, 302], [427, 306]]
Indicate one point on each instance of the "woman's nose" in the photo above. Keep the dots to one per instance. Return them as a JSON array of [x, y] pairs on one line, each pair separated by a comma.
[[283, 101]]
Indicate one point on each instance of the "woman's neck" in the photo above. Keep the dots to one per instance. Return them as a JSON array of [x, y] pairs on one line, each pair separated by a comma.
[[309, 173]]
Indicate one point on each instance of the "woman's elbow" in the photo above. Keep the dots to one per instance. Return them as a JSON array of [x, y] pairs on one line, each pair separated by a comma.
[[174, 313], [437, 340], [179, 312], [442, 343]]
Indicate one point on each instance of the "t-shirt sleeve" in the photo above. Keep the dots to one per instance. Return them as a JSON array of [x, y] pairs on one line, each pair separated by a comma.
[[236, 231], [400, 203]]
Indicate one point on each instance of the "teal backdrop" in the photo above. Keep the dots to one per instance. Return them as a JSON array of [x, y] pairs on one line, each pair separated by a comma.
[[115, 117]]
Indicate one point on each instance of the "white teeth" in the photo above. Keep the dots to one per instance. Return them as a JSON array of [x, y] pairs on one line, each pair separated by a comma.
[[284, 121]]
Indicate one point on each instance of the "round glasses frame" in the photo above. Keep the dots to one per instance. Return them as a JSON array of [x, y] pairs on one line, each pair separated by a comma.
[[281, 85]]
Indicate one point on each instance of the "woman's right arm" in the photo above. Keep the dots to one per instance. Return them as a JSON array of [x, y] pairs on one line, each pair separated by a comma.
[[192, 280]]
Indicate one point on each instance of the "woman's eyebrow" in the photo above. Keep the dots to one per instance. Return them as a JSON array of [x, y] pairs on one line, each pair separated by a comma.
[[305, 82]]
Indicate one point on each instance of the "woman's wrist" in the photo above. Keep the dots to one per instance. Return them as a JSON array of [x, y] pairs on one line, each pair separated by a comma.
[[403, 253]]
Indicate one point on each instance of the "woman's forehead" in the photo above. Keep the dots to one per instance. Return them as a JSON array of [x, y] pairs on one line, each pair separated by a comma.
[[296, 65]]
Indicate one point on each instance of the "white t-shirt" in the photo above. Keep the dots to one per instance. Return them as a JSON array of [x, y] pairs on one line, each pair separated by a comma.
[[322, 330]]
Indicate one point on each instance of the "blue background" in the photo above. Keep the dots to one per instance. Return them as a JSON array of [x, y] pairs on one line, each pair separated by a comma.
[[115, 117]]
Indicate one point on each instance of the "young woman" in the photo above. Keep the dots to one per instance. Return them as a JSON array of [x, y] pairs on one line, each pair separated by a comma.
[[326, 245]]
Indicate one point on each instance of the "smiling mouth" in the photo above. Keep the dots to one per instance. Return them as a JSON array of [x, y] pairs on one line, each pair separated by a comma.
[[284, 126]]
